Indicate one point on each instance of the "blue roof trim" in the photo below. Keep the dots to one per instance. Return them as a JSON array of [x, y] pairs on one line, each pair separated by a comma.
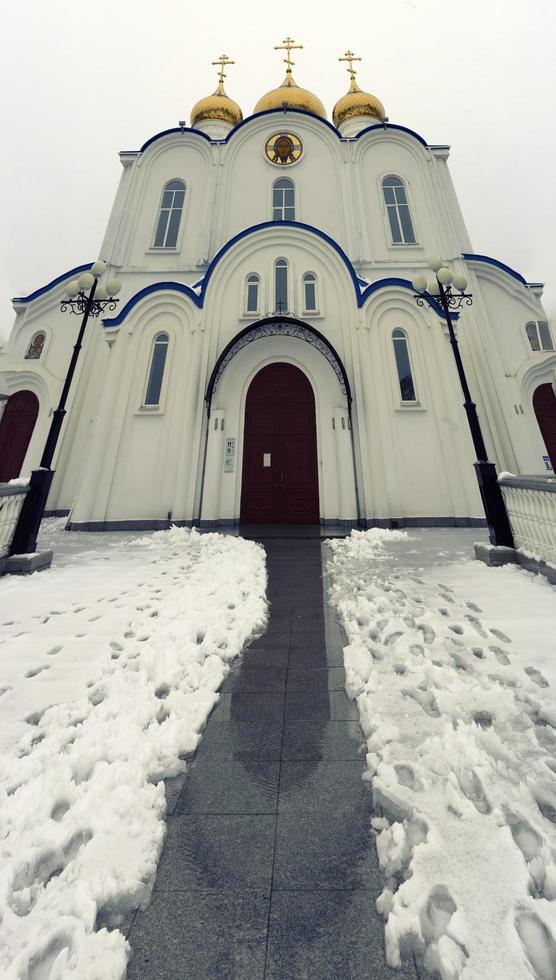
[[156, 287], [50, 285], [499, 265], [404, 284], [400, 129], [271, 112], [198, 299]]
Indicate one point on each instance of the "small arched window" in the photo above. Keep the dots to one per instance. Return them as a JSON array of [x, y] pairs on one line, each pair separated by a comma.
[[538, 335], [310, 292], [283, 200], [169, 218], [281, 286], [35, 348], [403, 364], [156, 369], [397, 207], [252, 303]]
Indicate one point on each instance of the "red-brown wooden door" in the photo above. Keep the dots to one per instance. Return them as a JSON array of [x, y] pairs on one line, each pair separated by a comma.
[[280, 478], [16, 429], [544, 403]]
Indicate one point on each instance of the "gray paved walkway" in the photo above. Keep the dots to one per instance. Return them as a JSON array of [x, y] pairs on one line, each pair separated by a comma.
[[269, 871]]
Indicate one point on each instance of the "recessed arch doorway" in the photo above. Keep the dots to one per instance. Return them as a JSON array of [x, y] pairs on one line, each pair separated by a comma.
[[544, 404], [16, 429], [280, 466]]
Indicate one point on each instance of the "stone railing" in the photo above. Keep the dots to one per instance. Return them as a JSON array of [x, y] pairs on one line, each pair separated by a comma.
[[531, 505], [12, 496]]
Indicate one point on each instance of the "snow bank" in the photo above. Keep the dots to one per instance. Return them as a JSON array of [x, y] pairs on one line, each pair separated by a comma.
[[82, 804], [461, 753]]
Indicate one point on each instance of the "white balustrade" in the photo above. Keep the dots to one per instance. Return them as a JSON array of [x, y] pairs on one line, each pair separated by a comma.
[[531, 505], [12, 496]]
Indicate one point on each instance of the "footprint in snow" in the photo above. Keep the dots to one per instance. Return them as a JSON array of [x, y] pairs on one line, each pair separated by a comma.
[[443, 611], [37, 670], [456, 628], [4, 690], [478, 652], [476, 622], [406, 776], [538, 944], [483, 719], [500, 636], [545, 798], [536, 677], [474, 607], [53, 651], [501, 657], [428, 633], [472, 788], [392, 637], [426, 700], [445, 588], [93, 619]]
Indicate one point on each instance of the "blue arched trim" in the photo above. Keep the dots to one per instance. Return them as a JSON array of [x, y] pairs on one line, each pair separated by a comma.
[[198, 299], [403, 284], [400, 129], [156, 287], [499, 265], [55, 282], [280, 112]]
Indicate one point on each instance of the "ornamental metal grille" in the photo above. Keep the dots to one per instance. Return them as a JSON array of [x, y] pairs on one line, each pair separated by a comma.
[[282, 328]]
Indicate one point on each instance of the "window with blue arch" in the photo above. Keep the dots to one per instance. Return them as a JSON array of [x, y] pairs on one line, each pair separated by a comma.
[[156, 370], [397, 207], [403, 365], [281, 286], [169, 217], [253, 282]]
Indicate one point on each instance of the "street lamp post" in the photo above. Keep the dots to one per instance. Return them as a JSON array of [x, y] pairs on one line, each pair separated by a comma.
[[440, 288], [93, 303]]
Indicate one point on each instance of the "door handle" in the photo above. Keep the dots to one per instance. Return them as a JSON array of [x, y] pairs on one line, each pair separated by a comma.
[[282, 477]]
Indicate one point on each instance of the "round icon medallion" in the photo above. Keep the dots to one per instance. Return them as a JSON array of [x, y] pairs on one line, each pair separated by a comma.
[[283, 148]]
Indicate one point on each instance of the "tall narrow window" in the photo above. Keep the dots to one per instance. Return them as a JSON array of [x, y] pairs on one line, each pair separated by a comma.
[[283, 200], [310, 292], [281, 286], [403, 364], [34, 349], [395, 198], [156, 371], [170, 214], [252, 305], [539, 336]]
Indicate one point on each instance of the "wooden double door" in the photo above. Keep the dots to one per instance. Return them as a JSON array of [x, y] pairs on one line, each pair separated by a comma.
[[16, 429], [280, 473]]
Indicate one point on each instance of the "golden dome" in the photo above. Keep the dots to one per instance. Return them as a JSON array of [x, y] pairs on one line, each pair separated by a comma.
[[217, 106], [357, 103], [296, 98]]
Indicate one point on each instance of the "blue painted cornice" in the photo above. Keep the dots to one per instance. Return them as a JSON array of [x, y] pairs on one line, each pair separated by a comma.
[[198, 299], [470, 257], [71, 274]]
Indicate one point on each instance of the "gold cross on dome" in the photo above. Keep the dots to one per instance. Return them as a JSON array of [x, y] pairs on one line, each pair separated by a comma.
[[351, 57], [223, 60], [289, 45]]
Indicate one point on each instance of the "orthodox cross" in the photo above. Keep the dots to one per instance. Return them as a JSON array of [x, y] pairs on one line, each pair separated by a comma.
[[288, 45], [223, 60], [349, 56]]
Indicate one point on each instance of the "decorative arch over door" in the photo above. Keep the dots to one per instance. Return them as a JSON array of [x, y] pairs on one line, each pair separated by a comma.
[[544, 403], [16, 429], [280, 468], [280, 326]]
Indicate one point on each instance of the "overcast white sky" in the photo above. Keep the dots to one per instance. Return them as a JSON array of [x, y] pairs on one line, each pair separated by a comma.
[[81, 81]]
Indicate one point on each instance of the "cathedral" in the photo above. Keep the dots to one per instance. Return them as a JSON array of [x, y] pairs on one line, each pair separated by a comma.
[[267, 360]]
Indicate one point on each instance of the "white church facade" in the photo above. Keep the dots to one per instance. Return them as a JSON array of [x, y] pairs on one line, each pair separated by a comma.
[[267, 361]]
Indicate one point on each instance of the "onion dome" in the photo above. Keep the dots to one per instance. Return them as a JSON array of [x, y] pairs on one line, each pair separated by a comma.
[[295, 97], [356, 102], [289, 92], [217, 106]]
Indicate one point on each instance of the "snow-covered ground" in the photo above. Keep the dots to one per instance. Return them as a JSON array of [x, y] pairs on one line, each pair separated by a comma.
[[453, 666], [110, 663]]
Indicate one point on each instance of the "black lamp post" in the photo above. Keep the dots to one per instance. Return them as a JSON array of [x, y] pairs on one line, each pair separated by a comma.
[[80, 302], [450, 290]]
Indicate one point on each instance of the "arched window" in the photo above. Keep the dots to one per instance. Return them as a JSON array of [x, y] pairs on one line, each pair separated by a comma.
[[156, 370], [171, 208], [281, 286], [403, 364], [252, 304], [283, 200], [395, 198], [538, 335], [35, 348], [310, 292]]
